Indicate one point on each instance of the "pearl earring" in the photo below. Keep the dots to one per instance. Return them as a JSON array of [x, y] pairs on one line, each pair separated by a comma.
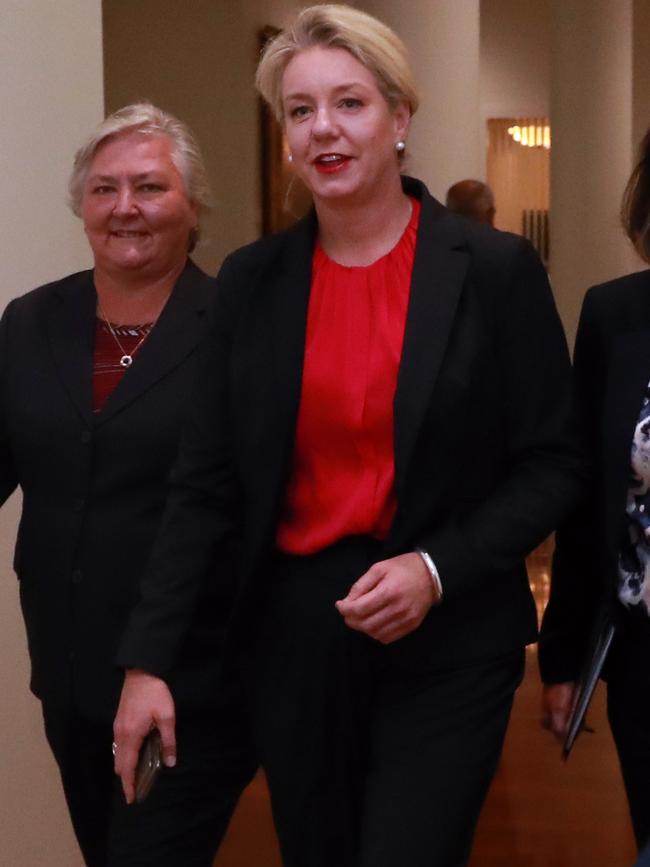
[[400, 147], [290, 158]]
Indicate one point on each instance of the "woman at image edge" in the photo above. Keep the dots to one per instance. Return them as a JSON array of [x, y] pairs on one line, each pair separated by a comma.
[[381, 411], [602, 553], [96, 368]]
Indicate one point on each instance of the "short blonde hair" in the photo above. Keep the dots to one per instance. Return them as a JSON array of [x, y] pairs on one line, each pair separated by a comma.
[[148, 119], [635, 210], [331, 25]]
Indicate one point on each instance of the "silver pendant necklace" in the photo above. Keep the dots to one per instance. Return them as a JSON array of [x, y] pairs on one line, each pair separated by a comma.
[[127, 358]]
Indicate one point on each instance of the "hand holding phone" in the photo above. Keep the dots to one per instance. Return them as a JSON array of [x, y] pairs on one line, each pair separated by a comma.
[[149, 764]]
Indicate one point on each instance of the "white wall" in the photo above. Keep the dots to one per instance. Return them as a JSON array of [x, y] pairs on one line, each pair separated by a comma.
[[50, 97]]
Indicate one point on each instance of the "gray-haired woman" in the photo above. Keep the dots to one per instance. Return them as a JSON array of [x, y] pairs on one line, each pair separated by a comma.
[[94, 378]]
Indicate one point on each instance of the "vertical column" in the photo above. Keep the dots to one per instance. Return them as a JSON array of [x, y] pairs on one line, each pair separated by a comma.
[[50, 97], [591, 155], [447, 142], [641, 67]]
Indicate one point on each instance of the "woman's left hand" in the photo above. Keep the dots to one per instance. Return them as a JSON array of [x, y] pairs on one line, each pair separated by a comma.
[[391, 599]]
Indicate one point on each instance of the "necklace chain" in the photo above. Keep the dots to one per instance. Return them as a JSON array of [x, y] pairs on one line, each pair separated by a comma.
[[127, 358]]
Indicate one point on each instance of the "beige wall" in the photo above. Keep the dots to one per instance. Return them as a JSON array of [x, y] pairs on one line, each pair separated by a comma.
[[591, 157], [199, 66], [50, 96], [515, 58], [447, 142], [641, 69]]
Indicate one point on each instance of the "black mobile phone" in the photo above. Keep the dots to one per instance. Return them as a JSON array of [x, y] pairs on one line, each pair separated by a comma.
[[149, 764]]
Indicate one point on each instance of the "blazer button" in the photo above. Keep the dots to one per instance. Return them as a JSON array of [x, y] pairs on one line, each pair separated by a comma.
[[79, 503], [86, 436], [77, 576]]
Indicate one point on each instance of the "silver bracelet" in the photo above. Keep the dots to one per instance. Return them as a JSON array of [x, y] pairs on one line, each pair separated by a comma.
[[435, 577]]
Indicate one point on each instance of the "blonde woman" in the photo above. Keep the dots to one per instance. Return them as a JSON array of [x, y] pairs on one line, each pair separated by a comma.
[[381, 412]]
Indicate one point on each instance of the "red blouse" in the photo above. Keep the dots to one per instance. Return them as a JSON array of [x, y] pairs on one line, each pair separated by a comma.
[[343, 469]]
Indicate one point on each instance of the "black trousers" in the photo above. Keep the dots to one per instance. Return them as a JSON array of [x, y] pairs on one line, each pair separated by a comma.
[[628, 709], [183, 820], [374, 758]]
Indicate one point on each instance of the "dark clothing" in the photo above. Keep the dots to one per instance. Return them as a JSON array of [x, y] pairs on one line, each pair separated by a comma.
[[485, 462], [612, 371], [388, 761], [185, 816], [644, 858], [94, 488], [82, 749], [628, 710]]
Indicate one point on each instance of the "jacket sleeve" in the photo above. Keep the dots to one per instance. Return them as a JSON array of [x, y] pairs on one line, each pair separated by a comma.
[[574, 597], [8, 477], [202, 508], [542, 471]]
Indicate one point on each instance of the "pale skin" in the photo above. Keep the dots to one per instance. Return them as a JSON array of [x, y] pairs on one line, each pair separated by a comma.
[[137, 218], [557, 704], [342, 135]]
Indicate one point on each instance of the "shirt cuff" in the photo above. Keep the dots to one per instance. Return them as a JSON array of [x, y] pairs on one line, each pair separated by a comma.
[[435, 577]]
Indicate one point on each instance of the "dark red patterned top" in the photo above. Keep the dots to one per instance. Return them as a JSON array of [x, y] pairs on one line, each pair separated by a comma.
[[107, 370]]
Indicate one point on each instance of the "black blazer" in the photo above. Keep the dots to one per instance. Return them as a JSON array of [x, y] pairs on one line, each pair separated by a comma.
[[612, 370], [485, 464], [93, 485]]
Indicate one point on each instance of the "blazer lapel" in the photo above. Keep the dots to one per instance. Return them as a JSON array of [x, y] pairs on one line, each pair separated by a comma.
[[174, 336], [439, 271], [71, 332], [287, 322]]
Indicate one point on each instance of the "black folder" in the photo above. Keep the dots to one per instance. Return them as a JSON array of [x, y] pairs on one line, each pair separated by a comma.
[[587, 682]]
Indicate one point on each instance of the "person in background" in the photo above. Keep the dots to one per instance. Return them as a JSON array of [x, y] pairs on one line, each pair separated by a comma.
[[95, 372], [472, 199], [601, 566], [381, 412]]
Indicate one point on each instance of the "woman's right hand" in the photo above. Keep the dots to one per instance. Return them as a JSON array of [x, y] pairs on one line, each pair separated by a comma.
[[145, 703], [557, 703]]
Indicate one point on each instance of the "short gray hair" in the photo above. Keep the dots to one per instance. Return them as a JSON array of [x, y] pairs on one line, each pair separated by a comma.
[[148, 119]]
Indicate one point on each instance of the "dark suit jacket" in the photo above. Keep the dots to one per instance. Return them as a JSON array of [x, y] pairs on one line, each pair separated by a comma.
[[612, 370], [485, 464], [93, 485]]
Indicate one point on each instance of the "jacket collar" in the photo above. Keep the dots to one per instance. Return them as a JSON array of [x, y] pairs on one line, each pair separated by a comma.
[[71, 331], [439, 269]]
